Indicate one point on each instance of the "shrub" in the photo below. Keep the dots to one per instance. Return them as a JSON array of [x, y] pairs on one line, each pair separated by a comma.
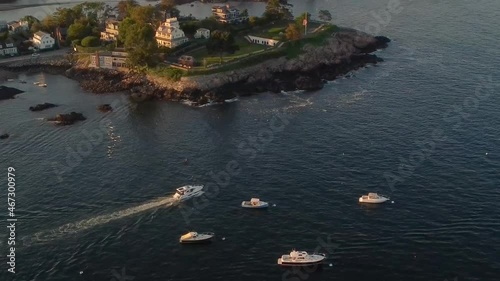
[[76, 42], [90, 41]]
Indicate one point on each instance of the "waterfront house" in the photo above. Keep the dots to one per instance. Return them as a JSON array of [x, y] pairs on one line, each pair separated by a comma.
[[170, 34], [226, 14], [202, 33], [7, 48], [18, 26], [110, 34], [263, 41], [43, 40], [110, 60], [3, 26]]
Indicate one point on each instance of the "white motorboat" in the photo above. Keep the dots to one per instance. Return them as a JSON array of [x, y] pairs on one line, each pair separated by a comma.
[[42, 85], [373, 198], [188, 191], [300, 258], [36, 83], [254, 203], [195, 237]]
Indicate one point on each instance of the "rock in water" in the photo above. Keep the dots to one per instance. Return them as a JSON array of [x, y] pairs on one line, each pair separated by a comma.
[[104, 108], [4, 136], [42, 106], [68, 119], [8, 92]]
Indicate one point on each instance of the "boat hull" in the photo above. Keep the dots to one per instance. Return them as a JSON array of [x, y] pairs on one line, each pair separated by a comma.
[[373, 201], [248, 205], [200, 241]]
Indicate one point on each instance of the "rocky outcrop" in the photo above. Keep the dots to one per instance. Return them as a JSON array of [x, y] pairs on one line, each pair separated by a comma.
[[67, 119], [4, 136], [104, 108], [42, 106], [345, 51], [8, 92]]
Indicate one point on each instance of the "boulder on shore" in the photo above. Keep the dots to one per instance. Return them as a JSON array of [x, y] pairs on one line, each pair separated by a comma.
[[4, 136], [67, 119], [42, 106], [104, 108], [8, 92]]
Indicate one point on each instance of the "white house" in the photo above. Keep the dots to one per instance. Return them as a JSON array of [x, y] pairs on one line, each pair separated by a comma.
[[18, 26], [111, 32], [202, 33], [7, 49], [170, 34], [43, 40], [263, 41]]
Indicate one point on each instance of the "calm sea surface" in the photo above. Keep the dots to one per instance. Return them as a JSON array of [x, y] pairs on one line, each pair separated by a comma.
[[423, 128]]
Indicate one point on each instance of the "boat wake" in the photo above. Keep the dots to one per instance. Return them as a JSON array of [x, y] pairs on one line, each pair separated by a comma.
[[73, 228]]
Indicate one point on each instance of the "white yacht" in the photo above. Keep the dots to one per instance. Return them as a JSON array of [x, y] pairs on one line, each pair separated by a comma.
[[373, 198], [188, 191], [300, 258], [254, 203], [195, 237]]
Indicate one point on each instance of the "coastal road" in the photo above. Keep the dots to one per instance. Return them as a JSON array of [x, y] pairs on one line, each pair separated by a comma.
[[47, 54]]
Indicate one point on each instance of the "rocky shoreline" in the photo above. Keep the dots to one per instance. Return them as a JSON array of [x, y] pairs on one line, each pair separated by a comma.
[[346, 51]]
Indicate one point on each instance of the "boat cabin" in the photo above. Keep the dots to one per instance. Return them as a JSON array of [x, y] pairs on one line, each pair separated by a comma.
[[254, 201], [297, 256]]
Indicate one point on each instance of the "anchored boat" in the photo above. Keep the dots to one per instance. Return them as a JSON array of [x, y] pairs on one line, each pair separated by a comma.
[[373, 198], [195, 237], [254, 203], [188, 191], [300, 258]]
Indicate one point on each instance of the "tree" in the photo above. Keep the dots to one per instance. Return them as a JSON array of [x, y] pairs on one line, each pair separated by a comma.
[[277, 10], [143, 14], [64, 17], [325, 15], [125, 6], [31, 20], [90, 41], [141, 44], [189, 27], [254, 21], [167, 5], [293, 32], [124, 27], [221, 42], [78, 31]]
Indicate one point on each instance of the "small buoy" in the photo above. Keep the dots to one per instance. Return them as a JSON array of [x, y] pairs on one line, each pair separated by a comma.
[[81, 272], [392, 202], [274, 205], [330, 264], [223, 238], [486, 153]]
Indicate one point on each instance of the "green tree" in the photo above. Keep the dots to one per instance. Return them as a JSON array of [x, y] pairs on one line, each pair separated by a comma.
[[90, 41], [293, 32], [124, 27], [76, 42], [141, 45], [125, 6], [143, 14], [64, 17], [221, 42], [78, 31], [325, 15], [189, 27], [31, 20], [277, 10]]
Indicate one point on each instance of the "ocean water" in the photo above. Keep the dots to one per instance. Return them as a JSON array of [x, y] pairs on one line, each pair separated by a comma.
[[93, 200]]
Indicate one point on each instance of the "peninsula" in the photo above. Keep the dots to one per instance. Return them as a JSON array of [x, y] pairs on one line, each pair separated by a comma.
[[154, 53]]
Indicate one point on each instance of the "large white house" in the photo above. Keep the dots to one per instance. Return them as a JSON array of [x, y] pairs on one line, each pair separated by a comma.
[[43, 40], [111, 32], [202, 33], [18, 26], [7, 48], [170, 34]]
